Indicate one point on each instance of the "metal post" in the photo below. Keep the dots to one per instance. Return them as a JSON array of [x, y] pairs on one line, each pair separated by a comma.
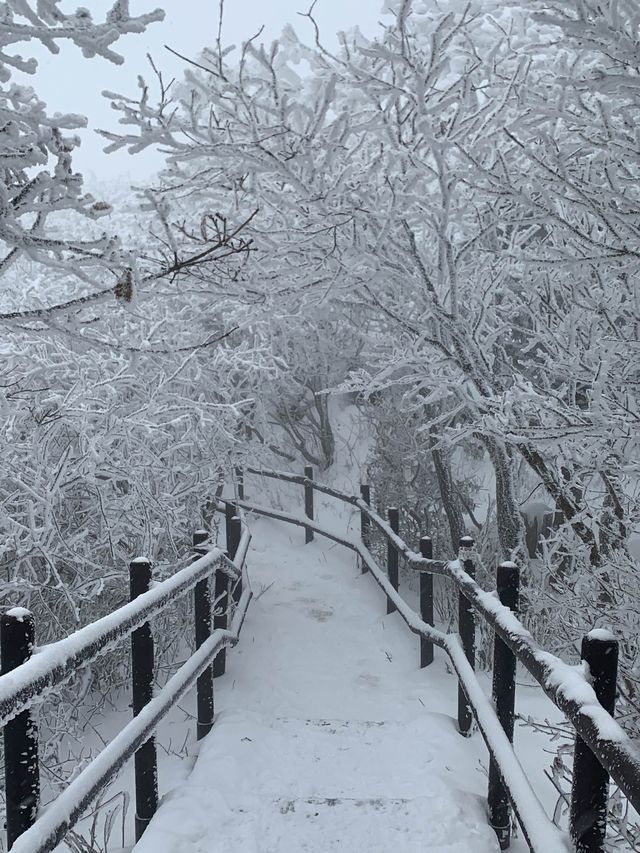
[[467, 631], [504, 692], [22, 774], [202, 615], [365, 522], [393, 514], [234, 532], [426, 601], [221, 592], [240, 481], [590, 788], [230, 512], [145, 759], [308, 503]]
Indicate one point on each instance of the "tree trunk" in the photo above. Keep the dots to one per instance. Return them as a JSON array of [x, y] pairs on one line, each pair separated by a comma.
[[448, 491], [511, 528]]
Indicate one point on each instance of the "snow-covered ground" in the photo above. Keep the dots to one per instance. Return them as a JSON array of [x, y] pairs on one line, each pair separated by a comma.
[[328, 736]]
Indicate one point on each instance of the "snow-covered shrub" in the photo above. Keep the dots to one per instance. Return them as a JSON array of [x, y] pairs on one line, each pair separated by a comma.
[[314, 351], [106, 457]]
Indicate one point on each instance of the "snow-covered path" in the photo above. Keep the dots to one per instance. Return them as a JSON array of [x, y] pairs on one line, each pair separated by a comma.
[[328, 736]]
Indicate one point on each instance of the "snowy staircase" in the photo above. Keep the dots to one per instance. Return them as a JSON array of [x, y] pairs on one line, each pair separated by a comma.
[[324, 785], [330, 738]]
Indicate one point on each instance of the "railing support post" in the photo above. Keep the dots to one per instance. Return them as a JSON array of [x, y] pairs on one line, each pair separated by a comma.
[[221, 592], [426, 602], [145, 759], [504, 691], [240, 482], [202, 615], [308, 503], [234, 533], [590, 787], [467, 631], [22, 774], [393, 514], [365, 522]]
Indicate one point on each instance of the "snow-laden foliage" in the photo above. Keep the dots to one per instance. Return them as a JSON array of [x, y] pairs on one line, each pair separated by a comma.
[[39, 187], [118, 394], [105, 458], [314, 351], [466, 185], [349, 203]]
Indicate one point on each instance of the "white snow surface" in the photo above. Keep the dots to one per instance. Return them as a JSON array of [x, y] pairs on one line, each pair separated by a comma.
[[19, 613], [602, 634], [328, 736]]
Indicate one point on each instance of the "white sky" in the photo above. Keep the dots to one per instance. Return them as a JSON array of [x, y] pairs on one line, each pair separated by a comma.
[[69, 83]]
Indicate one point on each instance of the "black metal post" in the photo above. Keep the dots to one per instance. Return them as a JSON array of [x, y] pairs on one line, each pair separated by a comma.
[[21, 769], [365, 522], [426, 601], [240, 481], [221, 591], [145, 759], [230, 512], [202, 616], [234, 532], [590, 788], [504, 692], [200, 538], [467, 631], [393, 514], [308, 503]]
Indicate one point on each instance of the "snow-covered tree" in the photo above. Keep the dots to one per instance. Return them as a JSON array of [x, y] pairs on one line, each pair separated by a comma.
[[351, 169], [568, 187], [39, 188], [466, 183]]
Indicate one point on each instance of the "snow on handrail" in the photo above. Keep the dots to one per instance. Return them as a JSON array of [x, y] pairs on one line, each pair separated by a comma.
[[53, 824], [56, 662], [565, 685]]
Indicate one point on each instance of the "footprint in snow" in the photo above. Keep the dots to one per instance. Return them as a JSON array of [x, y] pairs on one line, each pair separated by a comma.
[[368, 680], [320, 615]]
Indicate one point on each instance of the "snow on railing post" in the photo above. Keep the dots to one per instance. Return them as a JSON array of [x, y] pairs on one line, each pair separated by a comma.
[[202, 616], [308, 503], [590, 787], [22, 774], [467, 632], [504, 691], [365, 523], [426, 601], [235, 534], [393, 514], [240, 482], [145, 759]]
